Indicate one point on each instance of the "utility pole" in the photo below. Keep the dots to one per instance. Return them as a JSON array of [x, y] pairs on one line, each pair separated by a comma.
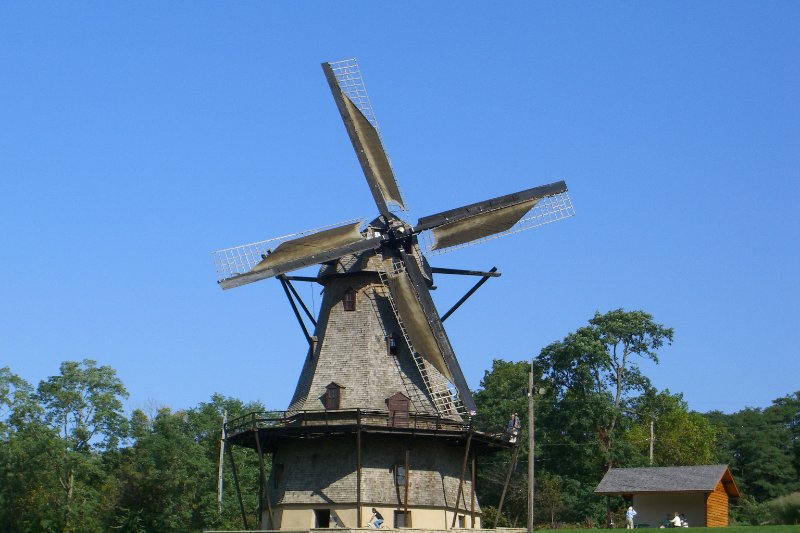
[[222, 441], [531, 442]]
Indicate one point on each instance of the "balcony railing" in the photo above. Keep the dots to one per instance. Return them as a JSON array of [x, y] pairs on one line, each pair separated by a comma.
[[332, 419]]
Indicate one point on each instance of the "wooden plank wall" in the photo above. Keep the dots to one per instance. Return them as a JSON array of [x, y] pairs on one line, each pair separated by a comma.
[[717, 507]]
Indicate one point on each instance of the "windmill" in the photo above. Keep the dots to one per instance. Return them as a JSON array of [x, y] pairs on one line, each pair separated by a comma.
[[381, 265]]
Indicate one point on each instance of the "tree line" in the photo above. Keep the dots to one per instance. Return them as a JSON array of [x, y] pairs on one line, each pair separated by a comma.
[[71, 460]]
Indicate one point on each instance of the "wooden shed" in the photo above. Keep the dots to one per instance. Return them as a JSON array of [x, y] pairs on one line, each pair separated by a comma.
[[700, 492]]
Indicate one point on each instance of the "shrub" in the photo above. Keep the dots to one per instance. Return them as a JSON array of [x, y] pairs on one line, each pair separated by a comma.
[[750, 512], [785, 509]]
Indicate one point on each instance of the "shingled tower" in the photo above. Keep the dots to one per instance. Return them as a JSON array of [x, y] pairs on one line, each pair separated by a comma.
[[381, 414]]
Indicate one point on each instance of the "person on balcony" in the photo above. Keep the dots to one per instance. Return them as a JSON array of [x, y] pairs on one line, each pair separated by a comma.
[[513, 428]]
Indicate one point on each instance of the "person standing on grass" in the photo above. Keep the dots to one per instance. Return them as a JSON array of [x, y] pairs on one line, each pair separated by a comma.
[[629, 514]]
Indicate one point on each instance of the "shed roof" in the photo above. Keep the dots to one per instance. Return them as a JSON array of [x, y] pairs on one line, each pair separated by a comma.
[[701, 478]]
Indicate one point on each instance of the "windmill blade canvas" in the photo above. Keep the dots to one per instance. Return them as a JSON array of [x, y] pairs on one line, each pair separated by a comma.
[[350, 94], [497, 217]]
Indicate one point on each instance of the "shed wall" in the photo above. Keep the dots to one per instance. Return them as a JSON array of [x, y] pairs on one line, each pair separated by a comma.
[[717, 507], [652, 508]]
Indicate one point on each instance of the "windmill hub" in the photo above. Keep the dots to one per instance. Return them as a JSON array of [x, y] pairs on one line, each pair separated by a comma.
[[399, 231]]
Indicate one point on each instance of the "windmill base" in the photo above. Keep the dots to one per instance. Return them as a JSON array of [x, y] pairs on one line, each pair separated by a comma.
[[326, 475]]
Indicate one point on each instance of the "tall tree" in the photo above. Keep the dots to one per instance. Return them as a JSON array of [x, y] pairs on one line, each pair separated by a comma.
[[83, 404], [596, 370]]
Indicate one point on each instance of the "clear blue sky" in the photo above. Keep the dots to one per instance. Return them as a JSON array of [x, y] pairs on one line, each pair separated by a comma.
[[136, 138]]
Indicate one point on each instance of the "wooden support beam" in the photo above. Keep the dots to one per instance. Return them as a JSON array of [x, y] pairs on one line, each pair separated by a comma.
[[469, 293], [492, 273], [511, 465], [263, 484], [300, 301], [285, 285], [238, 489], [302, 278], [463, 473], [472, 498], [405, 496], [358, 470]]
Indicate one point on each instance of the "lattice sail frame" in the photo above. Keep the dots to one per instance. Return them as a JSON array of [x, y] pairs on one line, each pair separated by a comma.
[[241, 259], [547, 210], [348, 75], [352, 84]]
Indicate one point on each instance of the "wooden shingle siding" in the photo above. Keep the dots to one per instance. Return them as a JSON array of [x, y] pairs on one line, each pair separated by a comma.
[[323, 471], [717, 507], [351, 351]]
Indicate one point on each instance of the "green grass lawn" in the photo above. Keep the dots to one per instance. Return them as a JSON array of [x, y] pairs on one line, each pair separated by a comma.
[[736, 529]]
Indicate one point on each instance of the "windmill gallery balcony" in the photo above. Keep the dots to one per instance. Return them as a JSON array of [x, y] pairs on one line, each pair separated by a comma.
[[274, 426]]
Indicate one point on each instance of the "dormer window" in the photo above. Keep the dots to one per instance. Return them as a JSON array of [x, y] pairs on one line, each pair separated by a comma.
[[349, 300], [333, 395], [398, 404], [391, 344]]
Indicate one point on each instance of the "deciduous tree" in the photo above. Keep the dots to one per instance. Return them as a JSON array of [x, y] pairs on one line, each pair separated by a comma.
[[83, 404], [595, 371]]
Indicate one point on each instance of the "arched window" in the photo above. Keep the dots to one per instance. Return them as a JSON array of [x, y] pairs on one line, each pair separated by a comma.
[[349, 300]]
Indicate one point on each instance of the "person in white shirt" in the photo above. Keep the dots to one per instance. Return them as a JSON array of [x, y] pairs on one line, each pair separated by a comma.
[[629, 514]]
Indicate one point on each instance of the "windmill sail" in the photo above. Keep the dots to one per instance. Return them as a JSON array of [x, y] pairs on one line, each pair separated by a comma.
[[496, 217], [245, 264], [354, 106], [425, 312], [310, 245], [415, 323]]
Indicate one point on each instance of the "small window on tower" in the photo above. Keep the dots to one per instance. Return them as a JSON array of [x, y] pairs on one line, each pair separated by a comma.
[[349, 300], [391, 344], [400, 519], [333, 396]]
